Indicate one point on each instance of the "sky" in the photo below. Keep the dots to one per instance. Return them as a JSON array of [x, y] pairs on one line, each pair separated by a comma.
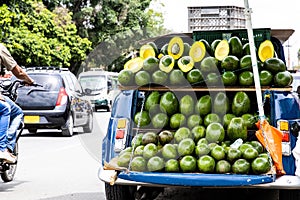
[[265, 14]]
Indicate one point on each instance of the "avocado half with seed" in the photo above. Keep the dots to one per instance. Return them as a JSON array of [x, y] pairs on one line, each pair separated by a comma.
[[197, 51], [176, 47]]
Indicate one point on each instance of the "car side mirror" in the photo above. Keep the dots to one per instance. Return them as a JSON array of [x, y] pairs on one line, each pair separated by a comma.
[[87, 91], [298, 89]]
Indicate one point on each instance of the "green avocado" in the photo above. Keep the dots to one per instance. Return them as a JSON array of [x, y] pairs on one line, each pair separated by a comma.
[[214, 45], [126, 77], [240, 104], [211, 118], [246, 78], [274, 65], [246, 63], [204, 105], [142, 78], [209, 64], [237, 129], [227, 118], [235, 46], [207, 47], [152, 100], [249, 120], [283, 79], [160, 120], [177, 120], [221, 104], [177, 77], [150, 64], [186, 105], [229, 78], [266, 78], [213, 79], [230, 63], [169, 103], [194, 77], [159, 77]]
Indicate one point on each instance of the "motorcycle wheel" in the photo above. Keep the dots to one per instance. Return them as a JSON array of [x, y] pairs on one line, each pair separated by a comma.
[[8, 175]]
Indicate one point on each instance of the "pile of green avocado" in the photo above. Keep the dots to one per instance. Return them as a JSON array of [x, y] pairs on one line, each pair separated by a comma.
[[195, 134], [221, 63]]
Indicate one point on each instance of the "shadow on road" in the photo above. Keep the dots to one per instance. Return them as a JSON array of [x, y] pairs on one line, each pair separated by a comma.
[[9, 186], [79, 196], [48, 133]]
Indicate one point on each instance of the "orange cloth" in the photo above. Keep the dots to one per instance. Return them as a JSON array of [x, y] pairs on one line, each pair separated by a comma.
[[273, 140]]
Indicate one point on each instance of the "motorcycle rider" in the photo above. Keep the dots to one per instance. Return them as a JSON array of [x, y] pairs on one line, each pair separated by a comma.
[[10, 113]]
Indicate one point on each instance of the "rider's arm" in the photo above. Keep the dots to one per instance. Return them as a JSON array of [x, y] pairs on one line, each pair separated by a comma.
[[9, 62], [21, 74]]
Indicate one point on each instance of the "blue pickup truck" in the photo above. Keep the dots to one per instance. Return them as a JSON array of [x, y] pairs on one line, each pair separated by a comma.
[[282, 106]]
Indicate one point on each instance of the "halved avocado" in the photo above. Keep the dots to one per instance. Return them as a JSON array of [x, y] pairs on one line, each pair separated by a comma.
[[222, 50], [265, 50], [134, 64], [166, 63], [197, 51], [185, 63], [175, 47], [146, 51]]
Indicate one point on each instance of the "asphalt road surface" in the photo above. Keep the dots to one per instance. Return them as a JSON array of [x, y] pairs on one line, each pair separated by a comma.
[[53, 167]]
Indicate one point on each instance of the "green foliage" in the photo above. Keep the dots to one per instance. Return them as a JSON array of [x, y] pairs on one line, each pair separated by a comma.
[[114, 27], [65, 36], [39, 37]]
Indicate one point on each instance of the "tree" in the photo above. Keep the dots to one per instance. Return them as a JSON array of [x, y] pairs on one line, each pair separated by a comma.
[[113, 26], [38, 37]]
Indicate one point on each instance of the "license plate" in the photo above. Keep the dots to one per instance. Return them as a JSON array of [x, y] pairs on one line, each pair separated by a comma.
[[31, 119]]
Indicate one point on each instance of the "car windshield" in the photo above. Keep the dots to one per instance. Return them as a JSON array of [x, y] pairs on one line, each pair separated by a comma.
[[49, 82], [94, 83]]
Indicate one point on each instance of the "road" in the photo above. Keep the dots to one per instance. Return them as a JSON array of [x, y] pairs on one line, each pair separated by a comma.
[[52, 167]]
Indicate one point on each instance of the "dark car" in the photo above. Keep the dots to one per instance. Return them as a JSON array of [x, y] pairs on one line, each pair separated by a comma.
[[58, 104]]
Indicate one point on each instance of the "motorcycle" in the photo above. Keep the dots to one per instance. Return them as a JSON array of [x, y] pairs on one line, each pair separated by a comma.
[[9, 89]]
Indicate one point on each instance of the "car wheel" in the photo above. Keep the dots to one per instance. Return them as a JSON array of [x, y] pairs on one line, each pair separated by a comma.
[[8, 175], [67, 129], [88, 128], [119, 192], [32, 130], [108, 109]]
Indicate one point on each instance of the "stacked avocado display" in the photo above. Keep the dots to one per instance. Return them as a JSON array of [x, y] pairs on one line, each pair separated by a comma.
[[223, 62], [199, 131]]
